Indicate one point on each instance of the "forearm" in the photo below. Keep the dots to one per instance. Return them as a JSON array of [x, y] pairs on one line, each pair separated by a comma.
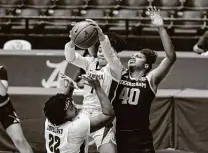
[[167, 44], [69, 53], [69, 90], [111, 57], [106, 106]]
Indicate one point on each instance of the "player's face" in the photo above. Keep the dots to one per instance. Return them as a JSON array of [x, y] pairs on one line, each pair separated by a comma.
[[101, 57], [138, 60], [71, 111]]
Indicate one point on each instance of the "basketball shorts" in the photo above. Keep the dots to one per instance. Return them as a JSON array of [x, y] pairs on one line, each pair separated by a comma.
[[8, 115], [139, 141], [102, 136]]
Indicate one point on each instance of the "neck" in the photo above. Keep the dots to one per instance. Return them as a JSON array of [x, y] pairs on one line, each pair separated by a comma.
[[136, 74]]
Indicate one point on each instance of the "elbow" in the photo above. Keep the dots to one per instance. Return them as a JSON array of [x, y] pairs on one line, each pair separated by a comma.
[[109, 113], [69, 56]]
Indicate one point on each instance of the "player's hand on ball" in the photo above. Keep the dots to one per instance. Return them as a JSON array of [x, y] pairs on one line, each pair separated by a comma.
[[155, 17], [100, 31], [91, 79], [96, 25]]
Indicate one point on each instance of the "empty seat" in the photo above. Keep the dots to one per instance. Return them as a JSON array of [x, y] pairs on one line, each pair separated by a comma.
[[197, 3], [120, 25], [167, 3], [94, 13], [104, 2], [3, 12], [26, 13], [11, 2], [70, 2], [191, 15], [135, 3], [39, 3], [61, 12]]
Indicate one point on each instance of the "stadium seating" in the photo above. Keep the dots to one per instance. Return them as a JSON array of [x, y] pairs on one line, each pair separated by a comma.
[[70, 3], [10, 2], [39, 3], [135, 3], [167, 3], [197, 3]]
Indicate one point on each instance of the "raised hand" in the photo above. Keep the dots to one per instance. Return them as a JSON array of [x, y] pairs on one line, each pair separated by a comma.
[[68, 80], [100, 31], [91, 79], [155, 17]]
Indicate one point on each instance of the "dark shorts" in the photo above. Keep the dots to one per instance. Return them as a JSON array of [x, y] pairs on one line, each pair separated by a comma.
[[137, 141], [8, 115]]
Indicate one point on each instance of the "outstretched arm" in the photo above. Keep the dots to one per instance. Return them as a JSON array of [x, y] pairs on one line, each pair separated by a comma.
[[158, 74], [68, 84], [107, 115], [108, 52]]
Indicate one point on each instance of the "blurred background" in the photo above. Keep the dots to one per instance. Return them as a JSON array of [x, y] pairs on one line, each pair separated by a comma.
[[32, 38]]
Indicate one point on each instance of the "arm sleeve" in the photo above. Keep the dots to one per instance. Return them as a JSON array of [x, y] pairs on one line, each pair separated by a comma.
[[112, 59], [75, 58]]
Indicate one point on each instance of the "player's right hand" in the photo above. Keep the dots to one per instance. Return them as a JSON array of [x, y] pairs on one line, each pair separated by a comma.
[[91, 79]]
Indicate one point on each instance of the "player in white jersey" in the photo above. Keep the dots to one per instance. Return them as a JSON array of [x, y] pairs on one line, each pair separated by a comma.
[[66, 129], [108, 77]]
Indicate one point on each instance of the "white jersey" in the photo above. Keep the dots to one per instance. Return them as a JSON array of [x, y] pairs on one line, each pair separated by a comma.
[[68, 137], [107, 81]]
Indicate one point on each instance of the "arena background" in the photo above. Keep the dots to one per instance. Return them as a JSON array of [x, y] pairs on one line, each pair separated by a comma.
[[178, 114]]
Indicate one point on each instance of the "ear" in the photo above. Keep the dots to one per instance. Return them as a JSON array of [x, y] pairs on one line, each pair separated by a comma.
[[146, 66]]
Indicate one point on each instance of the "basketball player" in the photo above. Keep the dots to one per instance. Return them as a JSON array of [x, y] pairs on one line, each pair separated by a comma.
[[9, 118], [136, 91], [66, 129], [104, 138]]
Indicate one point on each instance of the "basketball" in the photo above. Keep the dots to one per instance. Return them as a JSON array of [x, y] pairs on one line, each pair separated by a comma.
[[84, 34]]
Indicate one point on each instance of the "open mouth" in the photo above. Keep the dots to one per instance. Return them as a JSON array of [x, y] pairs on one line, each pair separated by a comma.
[[132, 60]]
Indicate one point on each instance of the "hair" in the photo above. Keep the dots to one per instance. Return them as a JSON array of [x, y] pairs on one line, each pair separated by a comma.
[[56, 107], [117, 41], [151, 57]]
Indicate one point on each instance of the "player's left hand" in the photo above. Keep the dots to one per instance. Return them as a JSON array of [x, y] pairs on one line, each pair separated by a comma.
[[70, 81], [100, 31], [155, 17]]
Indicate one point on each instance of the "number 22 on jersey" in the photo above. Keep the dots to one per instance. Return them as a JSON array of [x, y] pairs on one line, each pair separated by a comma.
[[54, 143], [129, 96]]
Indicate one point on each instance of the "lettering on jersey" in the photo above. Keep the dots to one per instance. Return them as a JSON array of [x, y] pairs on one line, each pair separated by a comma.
[[54, 129], [54, 79], [135, 84], [99, 76]]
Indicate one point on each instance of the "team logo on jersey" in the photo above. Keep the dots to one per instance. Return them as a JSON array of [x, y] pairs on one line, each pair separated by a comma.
[[54, 80]]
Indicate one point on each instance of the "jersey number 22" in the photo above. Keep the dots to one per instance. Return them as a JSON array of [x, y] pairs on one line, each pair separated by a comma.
[[54, 143]]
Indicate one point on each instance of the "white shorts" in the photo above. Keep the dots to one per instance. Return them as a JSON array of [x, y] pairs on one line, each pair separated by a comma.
[[98, 136]]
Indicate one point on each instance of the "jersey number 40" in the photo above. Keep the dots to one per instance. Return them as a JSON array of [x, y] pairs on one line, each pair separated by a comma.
[[54, 143], [130, 96]]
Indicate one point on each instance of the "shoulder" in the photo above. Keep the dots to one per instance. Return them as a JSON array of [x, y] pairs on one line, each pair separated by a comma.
[[81, 124]]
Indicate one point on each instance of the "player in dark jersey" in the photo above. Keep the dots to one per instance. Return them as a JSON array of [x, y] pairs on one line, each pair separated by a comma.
[[8, 116], [136, 91]]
